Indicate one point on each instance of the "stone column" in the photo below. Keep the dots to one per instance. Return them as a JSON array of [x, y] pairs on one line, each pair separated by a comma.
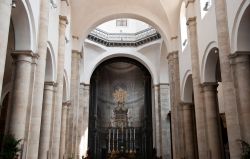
[[158, 142], [165, 121], [240, 63], [231, 111], [59, 91], [212, 117], [37, 99], [86, 94], [198, 96], [44, 142], [176, 117], [81, 118], [73, 142], [20, 93], [63, 129], [189, 129], [5, 11]]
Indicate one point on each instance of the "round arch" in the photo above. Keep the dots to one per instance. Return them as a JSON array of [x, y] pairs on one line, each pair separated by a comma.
[[108, 55], [6, 89], [24, 27], [66, 94], [187, 88], [241, 23], [50, 73], [209, 63], [138, 13]]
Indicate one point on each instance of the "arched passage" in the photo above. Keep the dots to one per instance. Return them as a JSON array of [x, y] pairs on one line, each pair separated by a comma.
[[240, 32], [122, 126]]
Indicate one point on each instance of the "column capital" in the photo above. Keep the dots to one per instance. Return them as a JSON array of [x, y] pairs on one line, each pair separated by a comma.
[[84, 84], [209, 86], [66, 103], [187, 105], [50, 83], [172, 55], [24, 55], [239, 57], [189, 2], [191, 20], [63, 20], [78, 53]]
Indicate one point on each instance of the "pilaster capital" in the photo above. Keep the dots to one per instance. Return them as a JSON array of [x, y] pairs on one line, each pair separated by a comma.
[[77, 53], [67, 2], [189, 2], [209, 86], [187, 105], [172, 55], [50, 83], [191, 21], [63, 20], [239, 57], [66, 103]]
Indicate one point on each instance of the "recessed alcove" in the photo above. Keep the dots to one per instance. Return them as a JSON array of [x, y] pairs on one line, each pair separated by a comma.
[[132, 77]]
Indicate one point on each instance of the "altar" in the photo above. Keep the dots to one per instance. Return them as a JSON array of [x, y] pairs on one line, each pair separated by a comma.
[[121, 133]]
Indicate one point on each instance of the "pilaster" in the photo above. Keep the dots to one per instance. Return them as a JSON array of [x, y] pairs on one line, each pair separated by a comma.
[[59, 92], [240, 63], [229, 93], [213, 120], [198, 96], [176, 111], [37, 98], [44, 141], [189, 130], [65, 108]]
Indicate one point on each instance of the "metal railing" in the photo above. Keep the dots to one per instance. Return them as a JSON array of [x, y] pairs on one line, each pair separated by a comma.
[[123, 37]]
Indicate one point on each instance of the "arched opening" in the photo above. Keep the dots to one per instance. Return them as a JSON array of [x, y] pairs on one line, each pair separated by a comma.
[[212, 78], [120, 111], [189, 120], [5, 96], [243, 37]]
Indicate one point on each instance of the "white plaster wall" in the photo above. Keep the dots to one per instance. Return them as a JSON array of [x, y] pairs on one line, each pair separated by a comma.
[[206, 31], [184, 65], [149, 55], [232, 9], [53, 31], [34, 7], [68, 47]]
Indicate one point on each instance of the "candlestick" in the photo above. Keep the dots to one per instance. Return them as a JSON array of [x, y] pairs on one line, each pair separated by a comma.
[[134, 140], [109, 140], [113, 139], [130, 143], [126, 139], [117, 139]]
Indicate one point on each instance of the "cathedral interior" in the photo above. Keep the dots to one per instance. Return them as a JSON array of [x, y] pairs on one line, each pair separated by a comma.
[[134, 79]]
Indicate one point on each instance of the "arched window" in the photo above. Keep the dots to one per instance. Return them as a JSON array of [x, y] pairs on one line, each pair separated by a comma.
[[204, 7], [183, 27]]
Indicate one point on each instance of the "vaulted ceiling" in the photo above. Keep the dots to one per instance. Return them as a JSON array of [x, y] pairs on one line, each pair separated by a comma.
[[161, 14]]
